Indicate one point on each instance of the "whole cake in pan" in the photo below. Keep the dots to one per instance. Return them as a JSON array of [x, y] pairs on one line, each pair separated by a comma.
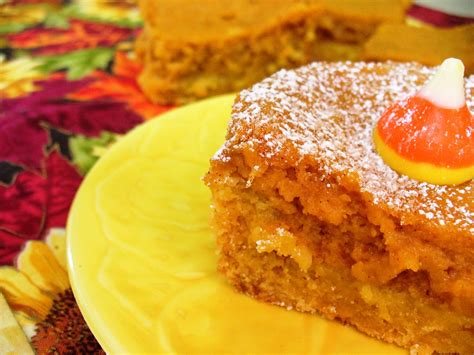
[[310, 217]]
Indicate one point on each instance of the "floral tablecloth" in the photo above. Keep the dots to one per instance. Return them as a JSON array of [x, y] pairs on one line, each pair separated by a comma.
[[68, 92]]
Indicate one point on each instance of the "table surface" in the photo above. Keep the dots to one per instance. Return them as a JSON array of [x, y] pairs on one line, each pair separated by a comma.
[[68, 92]]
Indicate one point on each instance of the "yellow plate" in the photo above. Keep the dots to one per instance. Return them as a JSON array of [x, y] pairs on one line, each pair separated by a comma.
[[142, 258]]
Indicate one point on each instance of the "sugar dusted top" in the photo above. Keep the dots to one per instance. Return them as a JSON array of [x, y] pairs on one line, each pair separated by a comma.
[[326, 113]]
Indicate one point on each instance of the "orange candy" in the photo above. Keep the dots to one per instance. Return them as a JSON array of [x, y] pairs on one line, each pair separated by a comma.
[[418, 138], [422, 132]]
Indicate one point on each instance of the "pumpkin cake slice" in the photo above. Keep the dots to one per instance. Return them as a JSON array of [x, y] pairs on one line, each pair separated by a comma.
[[194, 49], [424, 45], [309, 217]]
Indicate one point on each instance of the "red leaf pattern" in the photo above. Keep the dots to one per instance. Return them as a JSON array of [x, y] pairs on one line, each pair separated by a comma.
[[23, 120], [80, 35], [22, 206], [33, 204], [63, 181]]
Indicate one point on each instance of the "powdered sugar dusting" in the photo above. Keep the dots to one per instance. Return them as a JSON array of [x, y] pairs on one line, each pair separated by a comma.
[[327, 112]]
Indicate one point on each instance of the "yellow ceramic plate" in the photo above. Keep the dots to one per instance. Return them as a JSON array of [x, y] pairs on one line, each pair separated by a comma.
[[143, 262]]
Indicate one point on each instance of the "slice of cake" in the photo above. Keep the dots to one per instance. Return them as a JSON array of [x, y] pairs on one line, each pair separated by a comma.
[[194, 49], [309, 217], [425, 45]]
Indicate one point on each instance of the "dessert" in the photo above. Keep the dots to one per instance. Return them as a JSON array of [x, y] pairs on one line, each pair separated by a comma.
[[424, 45], [430, 136], [308, 216], [194, 49]]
